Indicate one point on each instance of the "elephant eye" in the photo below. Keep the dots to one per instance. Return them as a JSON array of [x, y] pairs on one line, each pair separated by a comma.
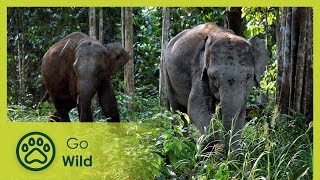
[[248, 76]]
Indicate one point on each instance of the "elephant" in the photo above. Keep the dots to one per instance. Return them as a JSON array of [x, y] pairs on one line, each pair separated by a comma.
[[207, 66], [75, 69]]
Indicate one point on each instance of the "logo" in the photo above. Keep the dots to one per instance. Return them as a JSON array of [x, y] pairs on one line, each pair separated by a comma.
[[35, 151]]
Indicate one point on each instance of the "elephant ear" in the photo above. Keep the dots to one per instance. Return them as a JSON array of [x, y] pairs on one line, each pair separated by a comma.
[[205, 55], [203, 60], [261, 57], [117, 56]]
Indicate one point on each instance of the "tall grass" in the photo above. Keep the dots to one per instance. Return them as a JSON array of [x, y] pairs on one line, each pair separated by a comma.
[[272, 146]]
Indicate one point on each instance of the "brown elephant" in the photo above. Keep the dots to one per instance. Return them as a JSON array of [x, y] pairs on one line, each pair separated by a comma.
[[77, 67], [208, 65]]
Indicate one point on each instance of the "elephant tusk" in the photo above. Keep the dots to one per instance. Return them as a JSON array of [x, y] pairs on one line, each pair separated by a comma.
[[64, 47], [77, 99]]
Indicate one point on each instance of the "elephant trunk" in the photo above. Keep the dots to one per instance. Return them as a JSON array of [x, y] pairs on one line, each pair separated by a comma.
[[233, 115], [85, 94]]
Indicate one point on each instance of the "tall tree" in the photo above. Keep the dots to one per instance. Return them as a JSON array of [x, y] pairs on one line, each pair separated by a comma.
[[266, 26], [164, 42], [128, 44], [92, 22], [123, 25], [21, 58], [92, 33], [233, 20], [294, 43], [101, 25]]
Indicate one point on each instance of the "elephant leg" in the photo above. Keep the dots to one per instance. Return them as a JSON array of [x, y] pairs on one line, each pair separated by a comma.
[[62, 110], [201, 106], [60, 116], [171, 101], [201, 109], [108, 102], [178, 107]]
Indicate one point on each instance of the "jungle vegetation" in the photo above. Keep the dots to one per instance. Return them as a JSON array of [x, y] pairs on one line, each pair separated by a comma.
[[278, 136]]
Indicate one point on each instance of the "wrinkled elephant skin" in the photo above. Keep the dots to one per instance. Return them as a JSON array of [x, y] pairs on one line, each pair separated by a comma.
[[208, 65]]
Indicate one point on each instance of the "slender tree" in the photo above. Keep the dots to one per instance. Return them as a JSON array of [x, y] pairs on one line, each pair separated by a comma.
[[128, 44], [233, 20], [266, 26], [92, 22], [294, 43], [92, 33], [21, 60], [101, 25], [164, 42], [123, 25]]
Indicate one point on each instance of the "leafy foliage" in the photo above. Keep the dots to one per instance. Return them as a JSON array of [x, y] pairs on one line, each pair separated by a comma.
[[186, 18], [271, 148], [147, 49]]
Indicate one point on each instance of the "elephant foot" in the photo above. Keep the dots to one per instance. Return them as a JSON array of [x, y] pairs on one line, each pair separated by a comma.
[[51, 120], [59, 117], [209, 147]]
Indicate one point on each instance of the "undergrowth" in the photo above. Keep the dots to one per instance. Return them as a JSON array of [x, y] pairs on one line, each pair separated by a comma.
[[272, 146]]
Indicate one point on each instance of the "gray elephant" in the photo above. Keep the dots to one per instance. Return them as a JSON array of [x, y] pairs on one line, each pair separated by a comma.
[[208, 65], [77, 67]]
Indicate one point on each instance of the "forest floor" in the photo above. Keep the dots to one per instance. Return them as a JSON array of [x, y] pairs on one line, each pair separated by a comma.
[[271, 147]]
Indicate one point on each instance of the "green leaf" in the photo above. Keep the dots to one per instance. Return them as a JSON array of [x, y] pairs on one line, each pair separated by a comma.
[[155, 170], [186, 117], [299, 173], [154, 164], [158, 158], [177, 143]]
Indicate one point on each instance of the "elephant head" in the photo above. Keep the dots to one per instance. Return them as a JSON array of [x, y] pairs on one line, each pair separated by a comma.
[[94, 65], [232, 65]]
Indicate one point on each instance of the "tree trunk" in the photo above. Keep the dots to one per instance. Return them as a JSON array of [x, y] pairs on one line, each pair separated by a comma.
[[21, 62], [233, 20], [300, 66], [122, 25], [295, 59], [286, 77], [307, 104], [19, 73], [294, 51], [280, 24], [101, 25], [92, 33], [165, 36], [129, 67], [264, 96], [23, 70], [266, 26], [92, 22]]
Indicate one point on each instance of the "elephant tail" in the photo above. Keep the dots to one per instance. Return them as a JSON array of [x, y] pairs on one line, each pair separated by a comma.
[[168, 87], [43, 99]]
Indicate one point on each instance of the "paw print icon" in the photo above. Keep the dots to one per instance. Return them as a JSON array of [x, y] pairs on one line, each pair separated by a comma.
[[35, 151]]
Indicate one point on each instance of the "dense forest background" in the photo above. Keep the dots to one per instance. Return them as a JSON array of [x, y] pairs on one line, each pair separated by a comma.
[[278, 135]]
